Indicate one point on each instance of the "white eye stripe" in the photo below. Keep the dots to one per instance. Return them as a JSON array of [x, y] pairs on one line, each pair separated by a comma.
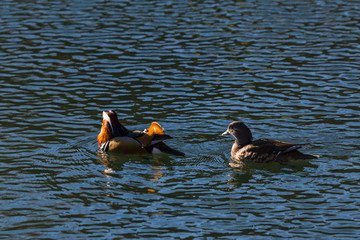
[[106, 117]]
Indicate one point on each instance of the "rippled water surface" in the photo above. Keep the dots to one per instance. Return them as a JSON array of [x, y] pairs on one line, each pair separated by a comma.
[[289, 69]]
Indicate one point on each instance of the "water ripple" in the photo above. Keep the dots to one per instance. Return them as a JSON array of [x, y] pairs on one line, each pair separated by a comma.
[[288, 69]]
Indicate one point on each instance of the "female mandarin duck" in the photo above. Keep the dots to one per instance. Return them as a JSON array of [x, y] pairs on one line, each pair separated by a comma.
[[114, 137], [262, 150]]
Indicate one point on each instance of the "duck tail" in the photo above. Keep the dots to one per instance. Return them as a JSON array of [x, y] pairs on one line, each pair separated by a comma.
[[161, 147]]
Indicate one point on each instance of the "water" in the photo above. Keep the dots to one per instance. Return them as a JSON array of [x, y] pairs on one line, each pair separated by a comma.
[[289, 70]]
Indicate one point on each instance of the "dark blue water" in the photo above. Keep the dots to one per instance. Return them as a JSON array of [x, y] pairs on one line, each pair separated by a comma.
[[289, 70]]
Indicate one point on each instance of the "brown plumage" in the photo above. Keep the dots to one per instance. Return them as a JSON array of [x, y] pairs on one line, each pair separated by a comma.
[[114, 137], [262, 150]]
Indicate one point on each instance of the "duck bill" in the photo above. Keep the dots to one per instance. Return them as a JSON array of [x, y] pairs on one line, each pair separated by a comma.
[[225, 133]]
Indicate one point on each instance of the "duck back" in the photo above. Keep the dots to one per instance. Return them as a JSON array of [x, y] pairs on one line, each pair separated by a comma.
[[269, 150]]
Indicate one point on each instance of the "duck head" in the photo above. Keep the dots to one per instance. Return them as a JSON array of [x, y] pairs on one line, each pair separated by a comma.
[[111, 127], [240, 131]]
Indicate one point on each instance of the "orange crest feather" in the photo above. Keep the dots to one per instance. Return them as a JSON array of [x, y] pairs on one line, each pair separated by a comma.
[[149, 135], [155, 128]]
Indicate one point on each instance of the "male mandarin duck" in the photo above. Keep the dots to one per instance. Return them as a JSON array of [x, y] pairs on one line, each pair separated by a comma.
[[114, 137], [262, 150]]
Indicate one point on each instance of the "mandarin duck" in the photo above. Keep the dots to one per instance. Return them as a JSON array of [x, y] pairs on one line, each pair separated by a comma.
[[114, 137], [262, 150]]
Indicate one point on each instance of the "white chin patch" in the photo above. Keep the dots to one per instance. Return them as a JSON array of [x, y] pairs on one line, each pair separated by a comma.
[[156, 150]]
